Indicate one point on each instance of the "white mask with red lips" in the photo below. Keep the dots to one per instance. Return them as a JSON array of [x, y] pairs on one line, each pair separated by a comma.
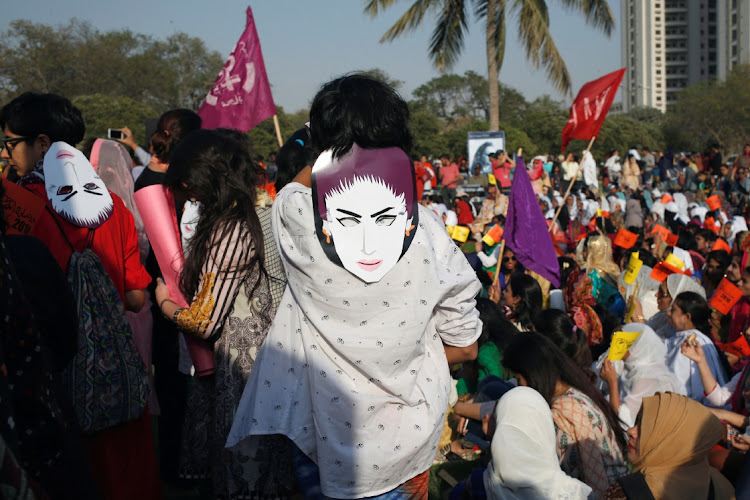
[[73, 187]]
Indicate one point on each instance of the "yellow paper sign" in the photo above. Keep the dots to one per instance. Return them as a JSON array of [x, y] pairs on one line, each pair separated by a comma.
[[598, 212], [492, 179], [634, 267], [621, 342], [460, 233], [675, 261], [450, 230]]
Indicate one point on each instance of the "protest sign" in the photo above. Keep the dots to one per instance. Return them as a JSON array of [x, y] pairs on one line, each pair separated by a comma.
[[634, 267], [725, 296], [21, 208], [621, 342], [713, 203], [625, 238], [493, 236]]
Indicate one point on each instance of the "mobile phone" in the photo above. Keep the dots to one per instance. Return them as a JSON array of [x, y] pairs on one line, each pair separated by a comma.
[[731, 432], [115, 133]]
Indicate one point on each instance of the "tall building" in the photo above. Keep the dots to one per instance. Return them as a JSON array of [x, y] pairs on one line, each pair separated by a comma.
[[733, 18], [666, 46]]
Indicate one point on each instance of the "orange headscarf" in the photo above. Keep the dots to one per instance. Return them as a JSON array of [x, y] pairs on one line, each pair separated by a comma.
[[676, 435]]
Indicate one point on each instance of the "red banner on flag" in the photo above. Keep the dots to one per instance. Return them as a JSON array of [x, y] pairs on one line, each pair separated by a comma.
[[591, 107], [241, 96]]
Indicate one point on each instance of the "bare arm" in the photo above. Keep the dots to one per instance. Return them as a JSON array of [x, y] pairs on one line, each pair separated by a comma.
[[468, 410], [460, 354], [134, 300]]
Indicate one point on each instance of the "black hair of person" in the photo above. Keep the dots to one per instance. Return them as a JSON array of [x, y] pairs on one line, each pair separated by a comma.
[[528, 290], [685, 240], [32, 114], [610, 323], [293, 156], [359, 109], [696, 306], [171, 128], [542, 364], [721, 257], [707, 235], [217, 170], [567, 266], [495, 326], [563, 332]]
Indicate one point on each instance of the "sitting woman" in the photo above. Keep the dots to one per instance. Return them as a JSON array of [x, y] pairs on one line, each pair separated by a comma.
[[590, 444], [669, 446], [689, 315], [674, 285], [643, 374], [596, 257], [524, 463], [565, 334], [523, 300]]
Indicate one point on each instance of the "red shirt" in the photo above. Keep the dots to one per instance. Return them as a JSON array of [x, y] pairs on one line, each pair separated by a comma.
[[502, 174], [464, 212], [115, 243], [449, 173]]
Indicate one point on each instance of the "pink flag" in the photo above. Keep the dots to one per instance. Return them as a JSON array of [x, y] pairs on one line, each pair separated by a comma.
[[241, 96]]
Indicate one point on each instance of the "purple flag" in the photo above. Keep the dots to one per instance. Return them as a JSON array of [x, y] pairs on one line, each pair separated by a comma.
[[526, 230], [241, 96]]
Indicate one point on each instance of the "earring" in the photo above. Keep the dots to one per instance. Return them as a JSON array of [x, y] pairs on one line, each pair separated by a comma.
[[328, 236], [409, 230]]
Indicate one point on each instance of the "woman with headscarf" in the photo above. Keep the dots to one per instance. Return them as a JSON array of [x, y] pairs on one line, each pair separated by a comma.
[[673, 286], [631, 172], [596, 258], [689, 315], [633, 213], [112, 162], [524, 464], [669, 447], [580, 302], [644, 374]]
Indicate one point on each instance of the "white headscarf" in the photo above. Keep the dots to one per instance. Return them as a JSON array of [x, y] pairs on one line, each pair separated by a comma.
[[699, 212], [682, 203], [647, 287], [524, 458], [451, 219], [644, 373], [658, 208], [678, 283], [738, 225], [685, 257]]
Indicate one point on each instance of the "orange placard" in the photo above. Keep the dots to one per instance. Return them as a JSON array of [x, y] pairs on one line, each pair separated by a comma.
[[710, 223], [662, 270], [605, 214], [666, 199], [494, 235], [713, 203], [661, 231], [721, 245], [739, 347], [21, 208], [625, 239], [725, 296], [671, 239]]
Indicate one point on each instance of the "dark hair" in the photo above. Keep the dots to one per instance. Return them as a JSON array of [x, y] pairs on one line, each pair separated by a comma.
[[542, 364], [563, 332], [528, 290], [32, 114], [293, 156], [172, 127], [696, 306], [706, 234], [720, 256], [495, 326], [567, 266], [359, 109], [215, 168], [610, 322]]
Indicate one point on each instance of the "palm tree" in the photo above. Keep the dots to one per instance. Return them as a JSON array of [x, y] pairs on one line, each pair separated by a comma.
[[533, 32]]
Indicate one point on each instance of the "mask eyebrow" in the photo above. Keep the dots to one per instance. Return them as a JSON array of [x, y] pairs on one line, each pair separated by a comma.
[[347, 212], [381, 212]]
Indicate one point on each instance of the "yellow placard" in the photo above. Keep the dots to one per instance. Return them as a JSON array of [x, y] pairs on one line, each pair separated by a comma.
[[598, 212], [492, 179], [460, 233], [675, 261], [450, 230], [634, 267], [621, 342]]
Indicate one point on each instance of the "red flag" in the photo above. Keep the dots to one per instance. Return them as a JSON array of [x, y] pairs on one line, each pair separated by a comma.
[[241, 96], [590, 107]]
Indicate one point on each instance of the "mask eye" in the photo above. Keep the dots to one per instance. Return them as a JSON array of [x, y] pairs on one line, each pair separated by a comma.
[[385, 220], [348, 221], [63, 190], [90, 186]]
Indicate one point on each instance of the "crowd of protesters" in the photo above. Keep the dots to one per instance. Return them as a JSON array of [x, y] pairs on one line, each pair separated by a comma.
[[335, 375]]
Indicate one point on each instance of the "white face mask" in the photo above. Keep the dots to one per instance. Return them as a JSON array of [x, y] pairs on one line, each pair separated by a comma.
[[367, 222], [73, 187], [367, 225]]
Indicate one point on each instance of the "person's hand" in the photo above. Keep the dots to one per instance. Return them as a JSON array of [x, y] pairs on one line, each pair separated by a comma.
[[608, 373], [732, 359], [694, 352], [495, 292], [489, 423], [162, 292], [461, 425], [127, 138], [741, 442]]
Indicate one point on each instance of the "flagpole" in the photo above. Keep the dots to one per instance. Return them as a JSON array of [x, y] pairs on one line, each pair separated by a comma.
[[278, 130], [570, 186], [499, 265]]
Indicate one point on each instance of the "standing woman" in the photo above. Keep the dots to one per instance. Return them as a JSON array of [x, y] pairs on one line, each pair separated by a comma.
[[231, 305]]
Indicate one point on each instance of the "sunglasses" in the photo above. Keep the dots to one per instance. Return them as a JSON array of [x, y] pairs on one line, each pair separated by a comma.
[[9, 142], [507, 259]]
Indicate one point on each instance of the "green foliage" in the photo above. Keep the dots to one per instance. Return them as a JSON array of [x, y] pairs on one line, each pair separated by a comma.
[[75, 59], [264, 135], [712, 112], [101, 112]]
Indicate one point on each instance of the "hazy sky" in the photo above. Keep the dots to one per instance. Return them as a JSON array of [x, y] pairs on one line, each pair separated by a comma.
[[307, 42]]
